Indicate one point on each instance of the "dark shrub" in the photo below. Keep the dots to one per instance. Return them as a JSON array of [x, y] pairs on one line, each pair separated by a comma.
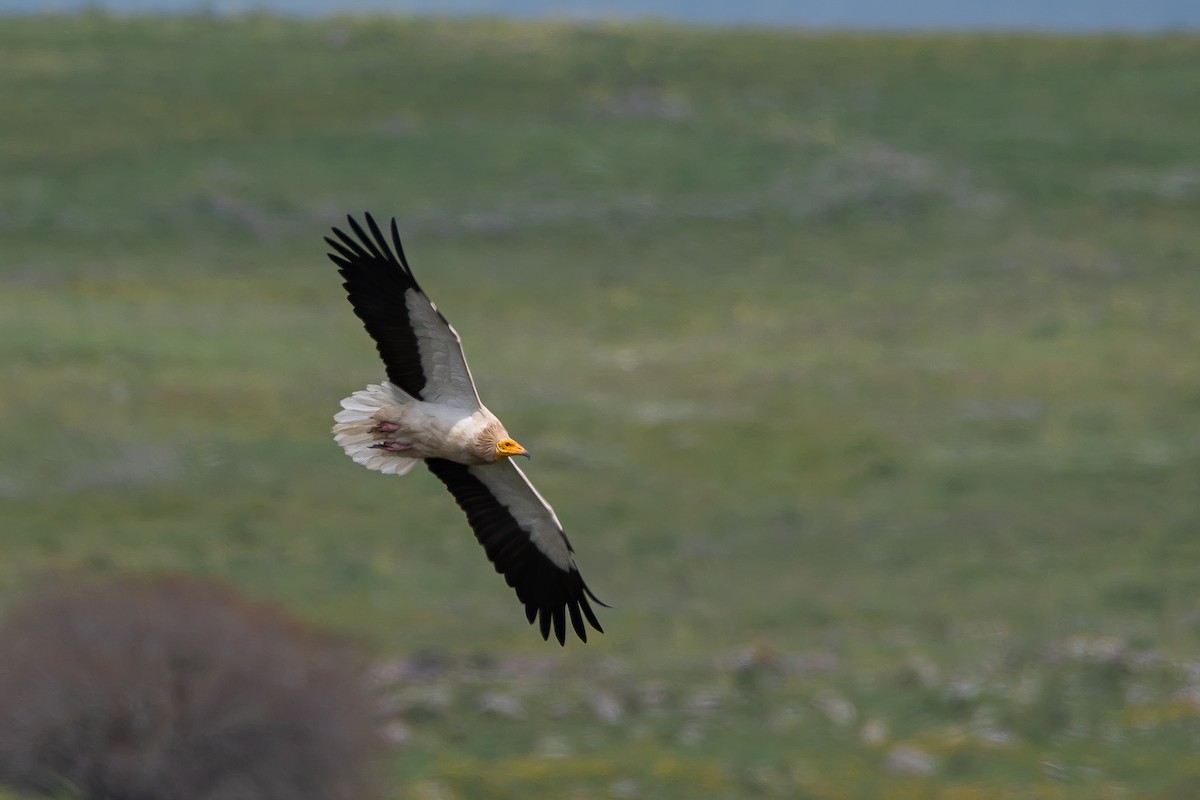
[[171, 689]]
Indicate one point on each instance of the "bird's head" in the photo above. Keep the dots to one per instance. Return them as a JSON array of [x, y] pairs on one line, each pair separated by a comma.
[[507, 448]]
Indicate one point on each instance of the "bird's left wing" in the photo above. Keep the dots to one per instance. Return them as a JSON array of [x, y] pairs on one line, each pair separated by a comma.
[[524, 541], [419, 348]]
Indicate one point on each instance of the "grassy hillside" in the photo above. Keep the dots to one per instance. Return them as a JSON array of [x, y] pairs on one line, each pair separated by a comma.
[[862, 371]]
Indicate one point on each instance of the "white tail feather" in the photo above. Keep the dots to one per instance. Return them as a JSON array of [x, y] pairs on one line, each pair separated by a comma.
[[359, 414]]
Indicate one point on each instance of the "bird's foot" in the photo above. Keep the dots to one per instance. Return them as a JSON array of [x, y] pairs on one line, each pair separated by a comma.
[[385, 427], [392, 447]]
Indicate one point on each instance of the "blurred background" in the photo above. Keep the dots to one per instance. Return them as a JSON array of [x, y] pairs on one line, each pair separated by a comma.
[[861, 367], [1069, 16]]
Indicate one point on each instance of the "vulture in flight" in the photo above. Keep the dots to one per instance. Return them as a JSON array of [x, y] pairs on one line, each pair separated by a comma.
[[428, 410]]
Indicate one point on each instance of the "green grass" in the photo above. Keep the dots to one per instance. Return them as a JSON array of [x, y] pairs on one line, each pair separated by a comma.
[[861, 369]]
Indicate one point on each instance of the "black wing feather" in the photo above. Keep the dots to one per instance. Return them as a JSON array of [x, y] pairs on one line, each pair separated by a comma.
[[376, 282], [547, 591]]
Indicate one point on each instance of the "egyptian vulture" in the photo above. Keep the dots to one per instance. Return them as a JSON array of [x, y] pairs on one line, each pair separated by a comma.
[[428, 410]]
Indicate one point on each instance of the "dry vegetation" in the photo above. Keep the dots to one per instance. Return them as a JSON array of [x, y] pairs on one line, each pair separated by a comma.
[[177, 690]]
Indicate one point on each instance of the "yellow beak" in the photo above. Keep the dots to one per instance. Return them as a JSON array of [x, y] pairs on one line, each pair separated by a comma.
[[509, 448]]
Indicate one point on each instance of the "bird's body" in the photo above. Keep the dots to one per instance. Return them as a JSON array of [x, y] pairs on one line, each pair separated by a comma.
[[429, 411], [384, 428]]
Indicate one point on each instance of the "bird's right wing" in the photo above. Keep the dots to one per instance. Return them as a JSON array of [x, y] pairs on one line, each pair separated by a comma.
[[420, 350], [524, 541]]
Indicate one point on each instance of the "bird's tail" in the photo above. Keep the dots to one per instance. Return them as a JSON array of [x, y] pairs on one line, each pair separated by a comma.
[[361, 435]]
